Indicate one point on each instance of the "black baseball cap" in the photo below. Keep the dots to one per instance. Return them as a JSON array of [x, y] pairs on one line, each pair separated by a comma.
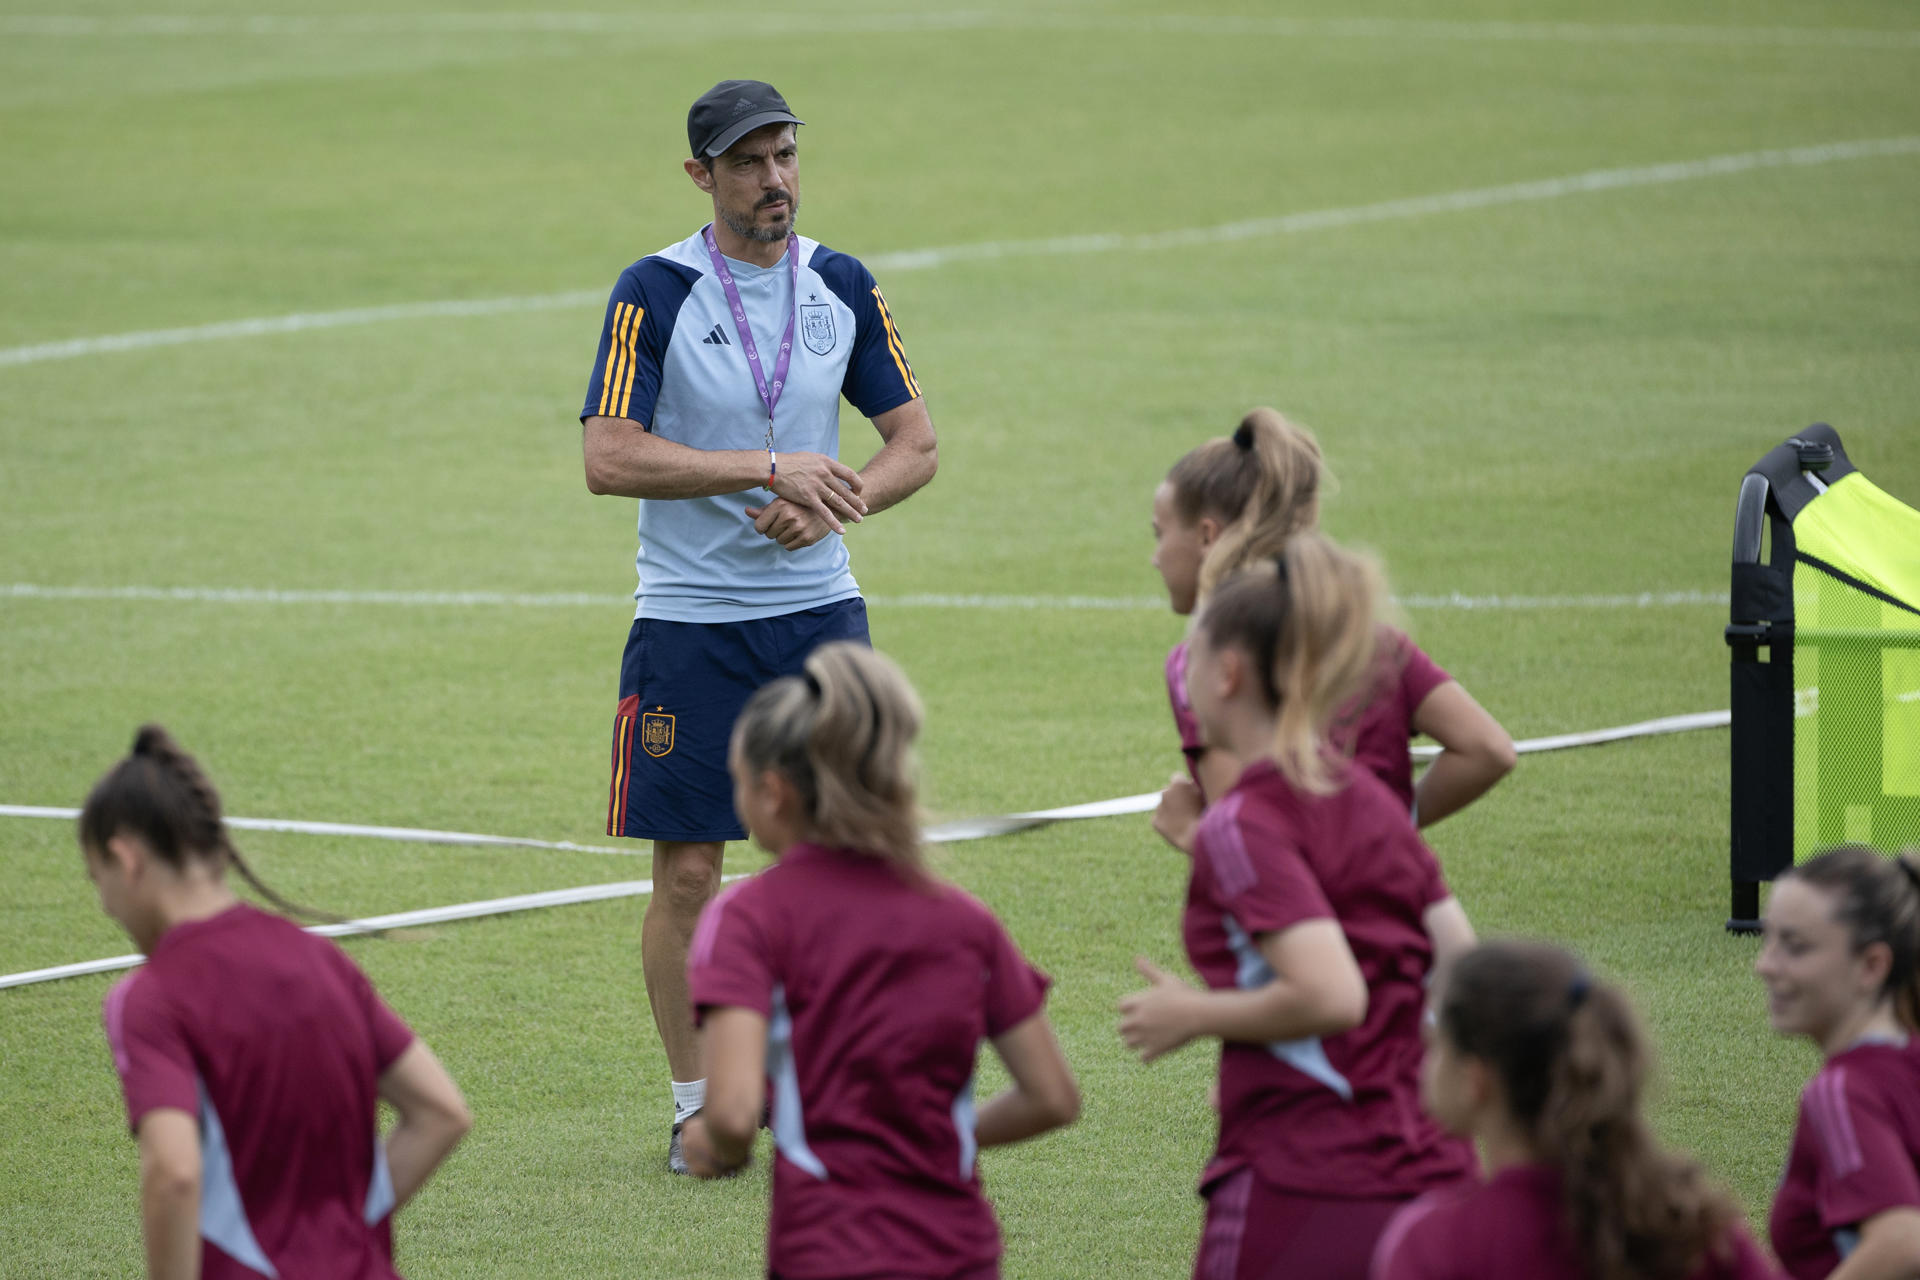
[[732, 109]]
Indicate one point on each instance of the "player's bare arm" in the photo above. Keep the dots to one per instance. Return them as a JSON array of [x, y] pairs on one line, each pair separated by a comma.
[[433, 1118], [1318, 990], [1043, 1094], [1475, 752], [720, 1138], [624, 459], [906, 461], [170, 1192]]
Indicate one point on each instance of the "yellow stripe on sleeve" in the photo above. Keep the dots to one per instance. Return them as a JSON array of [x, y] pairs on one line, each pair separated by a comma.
[[613, 345], [895, 346], [633, 359], [623, 334]]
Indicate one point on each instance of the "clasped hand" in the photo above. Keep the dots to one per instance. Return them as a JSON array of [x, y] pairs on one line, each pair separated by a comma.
[[813, 494]]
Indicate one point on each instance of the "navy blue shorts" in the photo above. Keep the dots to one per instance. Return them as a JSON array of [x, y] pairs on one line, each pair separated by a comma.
[[682, 685]]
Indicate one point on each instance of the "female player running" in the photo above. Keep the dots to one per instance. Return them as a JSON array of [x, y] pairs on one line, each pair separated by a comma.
[[1841, 964], [1314, 916], [252, 1054], [1236, 500], [1543, 1067], [872, 983]]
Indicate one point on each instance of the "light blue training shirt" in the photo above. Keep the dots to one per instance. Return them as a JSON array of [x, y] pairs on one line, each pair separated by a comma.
[[670, 359]]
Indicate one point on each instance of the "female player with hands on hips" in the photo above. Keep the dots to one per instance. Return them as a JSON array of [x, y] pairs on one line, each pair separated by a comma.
[[1544, 1067], [252, 1054], [1841, 963], [1236, 500], [859, 987], [1314, 916]]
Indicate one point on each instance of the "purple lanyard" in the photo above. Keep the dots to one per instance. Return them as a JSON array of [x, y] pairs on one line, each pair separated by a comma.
[[768, 396]]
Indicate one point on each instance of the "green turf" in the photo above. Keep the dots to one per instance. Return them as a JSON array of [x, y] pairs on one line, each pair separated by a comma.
[[1535, 399]]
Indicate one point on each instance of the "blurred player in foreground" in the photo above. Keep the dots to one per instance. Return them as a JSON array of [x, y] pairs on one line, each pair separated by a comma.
[[1314, 917], [872, 983], [1544, 1068], [252, 1053], [1841, 964], [715, 400], [1236, 500]]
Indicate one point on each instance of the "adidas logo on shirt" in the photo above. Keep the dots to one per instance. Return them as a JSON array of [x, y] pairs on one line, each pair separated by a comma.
[[716, 337]]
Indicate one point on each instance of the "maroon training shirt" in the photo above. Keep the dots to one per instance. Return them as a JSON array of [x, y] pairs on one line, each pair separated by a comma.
[[1337, 1117], [1514, 1227], [878, 988], [1375, 732], [275, 1041], [1854, 1154]]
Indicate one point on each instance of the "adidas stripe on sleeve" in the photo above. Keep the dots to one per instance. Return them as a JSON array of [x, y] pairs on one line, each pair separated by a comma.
[[626, 370]]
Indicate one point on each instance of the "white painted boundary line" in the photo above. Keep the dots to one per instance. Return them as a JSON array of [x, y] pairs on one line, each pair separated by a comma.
[[570, 600], [943, 833], [685, 27], [993, 250]]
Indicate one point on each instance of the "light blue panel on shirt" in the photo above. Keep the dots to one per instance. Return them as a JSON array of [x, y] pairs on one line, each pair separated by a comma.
[[223, 1218], [1305, 1055]]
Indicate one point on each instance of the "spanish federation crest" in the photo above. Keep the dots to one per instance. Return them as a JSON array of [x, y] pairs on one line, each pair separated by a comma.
[[656, 734], [816, 327]]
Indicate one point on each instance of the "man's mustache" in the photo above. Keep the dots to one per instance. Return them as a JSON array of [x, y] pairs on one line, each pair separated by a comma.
[[773, 197]]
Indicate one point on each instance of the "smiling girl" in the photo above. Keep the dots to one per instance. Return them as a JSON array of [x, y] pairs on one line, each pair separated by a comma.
[[1841, 964]]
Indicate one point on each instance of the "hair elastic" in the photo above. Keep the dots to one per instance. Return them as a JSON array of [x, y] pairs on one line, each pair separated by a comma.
[[1243, 437], [1908, 870], [813, 684], [1577, 990], [1280, 571]]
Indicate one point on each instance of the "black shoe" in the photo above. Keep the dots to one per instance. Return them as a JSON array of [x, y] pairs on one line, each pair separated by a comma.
[[676, 1161]]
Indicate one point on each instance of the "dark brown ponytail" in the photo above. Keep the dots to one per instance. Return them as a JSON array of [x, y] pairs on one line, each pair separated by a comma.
[[1571, 1061], [160, 794]]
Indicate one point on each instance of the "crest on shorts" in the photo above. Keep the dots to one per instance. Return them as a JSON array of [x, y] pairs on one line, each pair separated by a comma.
[[656, 733], [816, 327]]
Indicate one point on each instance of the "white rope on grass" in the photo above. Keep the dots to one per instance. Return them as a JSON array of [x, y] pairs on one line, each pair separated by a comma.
[[414, 835], [1147, 801], [942, 833], [375, 924]]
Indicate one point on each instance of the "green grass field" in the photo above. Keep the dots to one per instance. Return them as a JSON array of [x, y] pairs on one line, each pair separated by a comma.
[[1548, 397]]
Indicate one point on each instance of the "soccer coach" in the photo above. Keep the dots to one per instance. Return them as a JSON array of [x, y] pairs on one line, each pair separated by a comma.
[[715, 401]]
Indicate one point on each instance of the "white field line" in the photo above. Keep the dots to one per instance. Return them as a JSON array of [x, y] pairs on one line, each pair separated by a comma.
[[572, 600], [675, 28], [943, 833], [993, 250]]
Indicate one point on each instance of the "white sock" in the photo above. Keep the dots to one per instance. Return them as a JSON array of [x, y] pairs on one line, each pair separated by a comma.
[[688, 1098]]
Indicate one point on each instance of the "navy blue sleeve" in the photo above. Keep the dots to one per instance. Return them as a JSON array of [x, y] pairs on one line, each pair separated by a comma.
[[878, 375], [633, 340]]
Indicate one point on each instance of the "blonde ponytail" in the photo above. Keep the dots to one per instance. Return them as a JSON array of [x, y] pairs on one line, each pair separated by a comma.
[[1308, 619], [843, 734]]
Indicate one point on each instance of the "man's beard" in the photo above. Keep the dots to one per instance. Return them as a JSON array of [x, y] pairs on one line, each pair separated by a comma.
[[751, 230]]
